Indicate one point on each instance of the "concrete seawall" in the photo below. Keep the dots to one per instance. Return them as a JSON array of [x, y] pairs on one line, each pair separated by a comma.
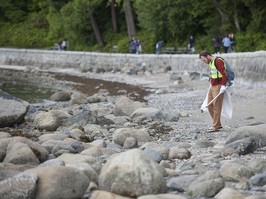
[[250, 67]]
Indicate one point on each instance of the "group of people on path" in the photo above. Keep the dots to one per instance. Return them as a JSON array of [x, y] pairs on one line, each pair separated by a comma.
[[135, 46], [228, 43]]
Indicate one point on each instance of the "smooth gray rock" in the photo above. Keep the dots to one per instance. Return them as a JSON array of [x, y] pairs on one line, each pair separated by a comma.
[[125, 106], [60, 182], [82, 118], [132, 174], [257, 133], [259, 179], [22, 186], [20, 153], [146, 113], [12, 110], [235, 172], [120, 135], [61, 96], [206, 185], [51, 120]]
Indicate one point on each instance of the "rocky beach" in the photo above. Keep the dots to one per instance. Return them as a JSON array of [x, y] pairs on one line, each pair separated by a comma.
[[130, 134]]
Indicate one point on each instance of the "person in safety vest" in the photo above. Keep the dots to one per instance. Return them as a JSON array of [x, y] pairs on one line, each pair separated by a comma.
[[218, 80]]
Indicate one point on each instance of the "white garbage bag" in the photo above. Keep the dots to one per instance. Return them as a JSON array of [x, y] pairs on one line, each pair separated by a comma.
[[227, 108]]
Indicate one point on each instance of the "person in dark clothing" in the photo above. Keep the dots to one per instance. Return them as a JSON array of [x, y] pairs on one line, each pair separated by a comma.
[[232, 42], [191, 44], [158, 47], [217, 44]]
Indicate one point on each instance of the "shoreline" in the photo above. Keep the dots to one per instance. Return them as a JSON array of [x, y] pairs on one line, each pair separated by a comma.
[[170, 93]]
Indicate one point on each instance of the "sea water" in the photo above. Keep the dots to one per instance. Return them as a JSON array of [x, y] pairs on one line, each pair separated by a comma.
[[28, 91]]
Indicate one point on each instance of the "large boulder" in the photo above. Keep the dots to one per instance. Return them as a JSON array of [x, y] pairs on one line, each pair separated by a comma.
[[247, 139], [20, 186], [132, 174], [51, 120], [59, 182], [12, 110]]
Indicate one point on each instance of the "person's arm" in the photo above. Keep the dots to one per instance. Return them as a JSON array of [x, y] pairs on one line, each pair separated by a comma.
[[220, 65]]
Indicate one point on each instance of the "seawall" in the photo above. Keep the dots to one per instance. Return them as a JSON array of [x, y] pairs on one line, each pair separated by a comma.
[[250, 67]]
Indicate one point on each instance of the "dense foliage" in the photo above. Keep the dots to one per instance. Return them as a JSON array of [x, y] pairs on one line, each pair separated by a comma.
[[98, 25]]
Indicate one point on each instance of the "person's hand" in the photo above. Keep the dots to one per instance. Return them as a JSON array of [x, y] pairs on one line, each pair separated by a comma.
[[222, 89]]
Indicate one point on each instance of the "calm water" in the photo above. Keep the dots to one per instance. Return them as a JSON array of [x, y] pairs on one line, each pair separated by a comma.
[[27, 91]]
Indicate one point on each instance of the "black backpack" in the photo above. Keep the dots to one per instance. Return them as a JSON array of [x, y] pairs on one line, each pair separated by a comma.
[[229, 72]]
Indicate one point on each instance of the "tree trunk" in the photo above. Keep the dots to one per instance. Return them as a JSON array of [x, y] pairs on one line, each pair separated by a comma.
[[131, 29], [236, 20], [114, 17], [96, 29], [224, 16]]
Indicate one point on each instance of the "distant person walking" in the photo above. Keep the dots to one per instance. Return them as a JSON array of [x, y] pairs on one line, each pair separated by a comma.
[[139, 47], [217, 44], [232, 42], [158, 47], [191, 45], [65, 44], [226, 43], [133, 46]]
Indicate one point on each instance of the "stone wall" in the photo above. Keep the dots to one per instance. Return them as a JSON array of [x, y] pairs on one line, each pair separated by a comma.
[[250, 67]]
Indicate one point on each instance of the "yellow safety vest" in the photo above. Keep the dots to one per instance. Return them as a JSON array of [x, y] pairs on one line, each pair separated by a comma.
[[214, 73]]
